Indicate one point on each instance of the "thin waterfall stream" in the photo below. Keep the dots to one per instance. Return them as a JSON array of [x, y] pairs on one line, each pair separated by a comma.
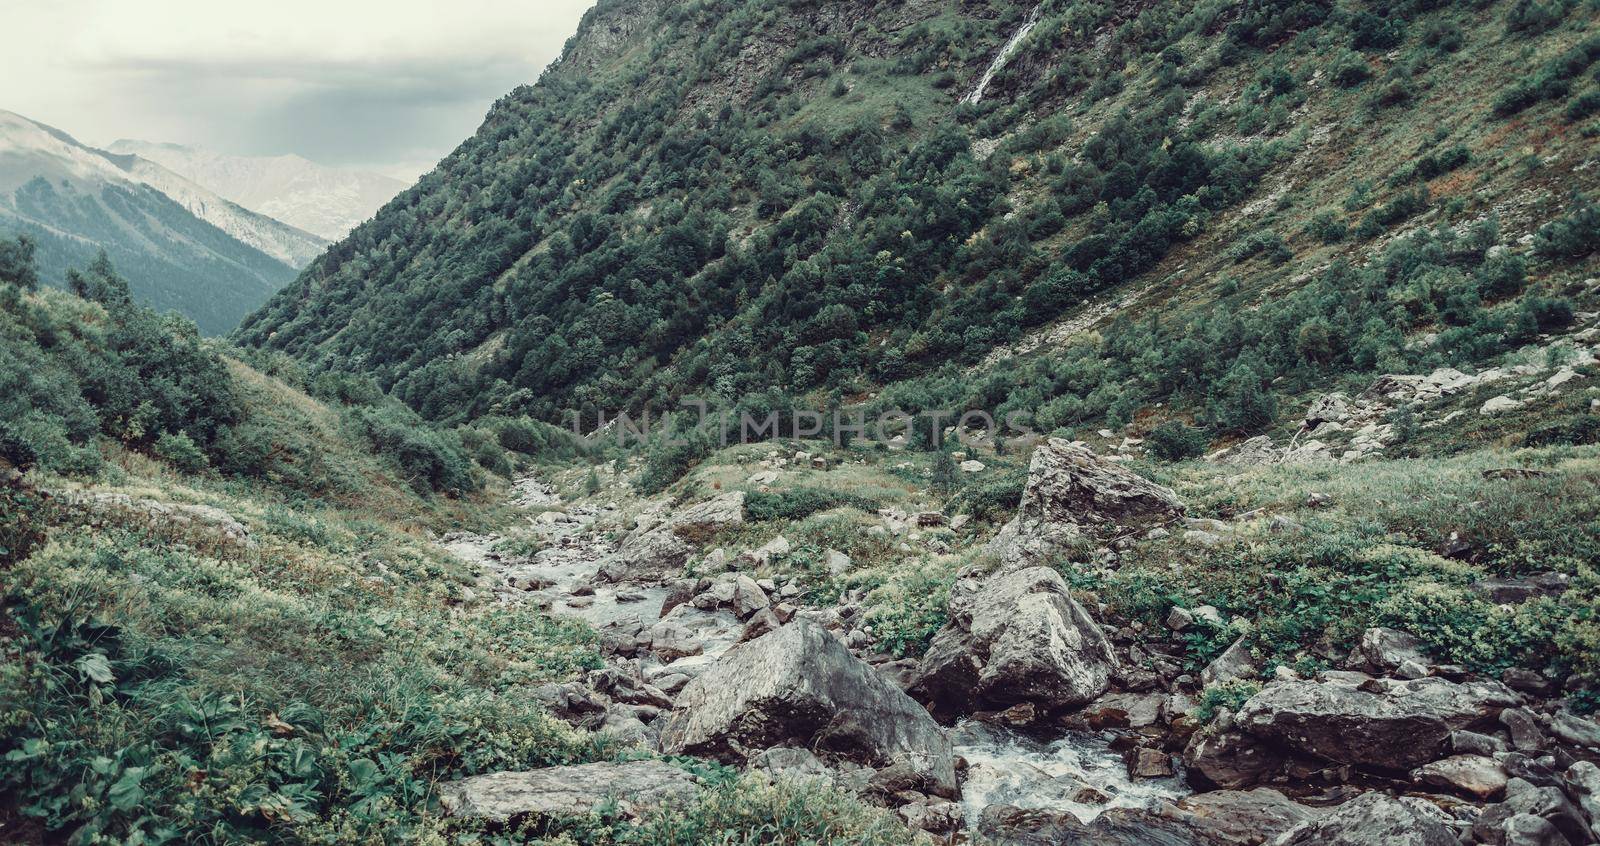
[[1002, 57]]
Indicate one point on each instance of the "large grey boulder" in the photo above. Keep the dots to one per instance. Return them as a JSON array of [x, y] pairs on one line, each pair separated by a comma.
[[1384, 725], [799, 686], [1017, 637], [700, 521], [1523, 798], [1328, 408], [633, 788], [1246, 817], [1389, 725], [648, 556], [1371, 819], [1384, 649], [1072, 492], [1008, 825]]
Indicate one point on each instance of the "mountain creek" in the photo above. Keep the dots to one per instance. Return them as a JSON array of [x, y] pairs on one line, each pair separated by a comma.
[[1073, 770]]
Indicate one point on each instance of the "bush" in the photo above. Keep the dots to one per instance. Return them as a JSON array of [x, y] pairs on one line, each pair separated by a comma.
[[1173, 441], [799, 503], [1531, 17], [1351, 71], [427, 458], [995, 496], [669, 460], [1242, 402], [1573, 236], [1407, 204], [16, 262], [180, 451], [1583, 105], [24, 516], [1326, 227], [1576, 430], [1264, 243]]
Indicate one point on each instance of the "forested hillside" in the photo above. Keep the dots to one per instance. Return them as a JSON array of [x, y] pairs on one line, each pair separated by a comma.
[[728, 198]]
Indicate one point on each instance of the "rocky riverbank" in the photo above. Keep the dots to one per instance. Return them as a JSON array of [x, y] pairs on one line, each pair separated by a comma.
[[1032, 717]]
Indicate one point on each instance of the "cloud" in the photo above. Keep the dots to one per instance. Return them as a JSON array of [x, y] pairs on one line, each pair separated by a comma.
[[386, 84]]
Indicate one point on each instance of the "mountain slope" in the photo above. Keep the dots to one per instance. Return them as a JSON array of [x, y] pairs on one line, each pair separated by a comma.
[[325, 200], [734, 198], [180, 246]]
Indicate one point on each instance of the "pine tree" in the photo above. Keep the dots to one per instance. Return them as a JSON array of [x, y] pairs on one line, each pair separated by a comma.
[[943, 473]]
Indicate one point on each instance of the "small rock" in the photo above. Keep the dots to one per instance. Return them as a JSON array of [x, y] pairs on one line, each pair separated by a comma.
[[1499, 405], [1149, 763], [1470, 775], [1575, 730], [1524, 728]]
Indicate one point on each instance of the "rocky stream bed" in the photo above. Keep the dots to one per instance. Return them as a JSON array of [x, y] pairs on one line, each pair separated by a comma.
[[1027, 721]]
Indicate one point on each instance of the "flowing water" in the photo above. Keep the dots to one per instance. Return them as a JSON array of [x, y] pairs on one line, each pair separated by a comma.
[[1077, 773], [1002, 57]]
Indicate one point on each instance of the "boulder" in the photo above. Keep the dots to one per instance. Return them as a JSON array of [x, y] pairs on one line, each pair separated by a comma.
[[1328, 408], [1571, 729], [1018, 637], [1230, 759], [649, 556], [1233, 664], [1524, 798], [1255, 452], [700, 521], [1499, 405], [1371, 819], [1386, 649], [1529, 830], [1246, 817], [1392, 726], [1007, 825], [1071, 491], [1469, 775], [634, 788], [748, 597], [799, 686]]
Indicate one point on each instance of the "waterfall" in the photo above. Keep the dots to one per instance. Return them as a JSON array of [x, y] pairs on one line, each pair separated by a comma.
[[1003, 56]]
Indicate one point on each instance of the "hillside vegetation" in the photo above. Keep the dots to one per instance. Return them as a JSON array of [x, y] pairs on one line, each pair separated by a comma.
[[732, 199]]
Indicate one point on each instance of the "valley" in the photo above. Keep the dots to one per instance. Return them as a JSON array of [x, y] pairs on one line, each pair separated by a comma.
[[1285, 313]]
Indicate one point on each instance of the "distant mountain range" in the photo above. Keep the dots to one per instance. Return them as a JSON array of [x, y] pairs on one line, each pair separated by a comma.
[[322, 200], [180, 245]]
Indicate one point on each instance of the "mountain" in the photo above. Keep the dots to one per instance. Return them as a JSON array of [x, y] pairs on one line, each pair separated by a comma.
[[1171, 205], [325, 200], [180, 246]]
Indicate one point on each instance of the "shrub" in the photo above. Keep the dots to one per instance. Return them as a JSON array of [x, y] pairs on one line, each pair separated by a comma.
[[1173, 441], [429, 459], [669, 460], [1242, 402], [994, 496], [1583, 105], [1576, 430], [16, 262], [180, 451], [1264, 243], [1531, 17], [1325, 226], [1575, 235], [799, 503], [1351, 71], [1372, 32], [24, 516], [1407, 204]]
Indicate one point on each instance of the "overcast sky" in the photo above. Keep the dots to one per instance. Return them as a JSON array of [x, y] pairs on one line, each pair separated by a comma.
[[390, 85]]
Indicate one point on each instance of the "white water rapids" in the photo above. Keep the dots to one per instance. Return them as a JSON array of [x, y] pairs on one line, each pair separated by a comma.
[[1002, 57], [1076, 773]]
